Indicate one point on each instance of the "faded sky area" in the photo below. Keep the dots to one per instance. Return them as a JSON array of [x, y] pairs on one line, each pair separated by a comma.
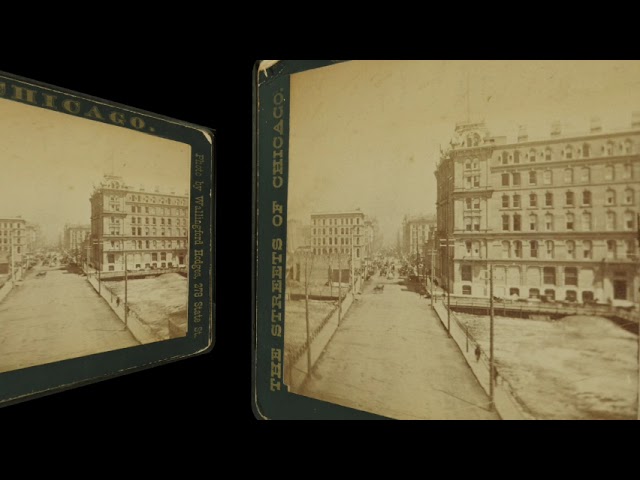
[[367, 133], [49, 162]]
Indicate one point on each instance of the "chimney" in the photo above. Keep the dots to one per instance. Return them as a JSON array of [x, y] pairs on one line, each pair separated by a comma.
[[556, 129], [635, 119], [596, 126], [522, 133]]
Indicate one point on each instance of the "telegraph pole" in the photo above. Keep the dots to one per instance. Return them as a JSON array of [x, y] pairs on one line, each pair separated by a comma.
[[306, 310], [126, 306], [492, 372], [433, 256], [339, 288], [638, 315]]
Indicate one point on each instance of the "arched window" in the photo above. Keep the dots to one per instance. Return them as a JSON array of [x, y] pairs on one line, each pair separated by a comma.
[[467, 164], [586, 221], [570, 221], [505, 223], [546, 178], [610, 148], [548, 222], [611, 220], [533, 200], [467, 203], [586, 197], [516, 201], [608, 172], [569, 199], [532, 155], [630, 247], [506, 249], [517, 225], [517, 248], [548, 154], [568, 152], [548, 199], [611, 249], [628, 196], [610, 197], [628, 220], [586, 150], [571, 249], [628, 146], [550, 248], [516, 156], [585, 174], [568, 175], [627, 171], [587, 249], [533, 222], [533, 248]]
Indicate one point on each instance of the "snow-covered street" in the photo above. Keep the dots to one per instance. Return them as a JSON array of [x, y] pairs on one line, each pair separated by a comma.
[[391, 356], [55, 317]]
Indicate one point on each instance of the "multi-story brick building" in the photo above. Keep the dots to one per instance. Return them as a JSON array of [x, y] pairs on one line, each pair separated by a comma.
[[415, 234], [75, 237], [14, 242], [555, 217], [342, 233], [149, 227]]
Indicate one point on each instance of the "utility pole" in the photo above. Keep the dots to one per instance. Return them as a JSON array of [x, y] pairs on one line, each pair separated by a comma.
[[13, 263], [449, 263], [126, 305], [638, 315], [353, 284], [492, 368], [433, 256], [306, 310], [339, 287]]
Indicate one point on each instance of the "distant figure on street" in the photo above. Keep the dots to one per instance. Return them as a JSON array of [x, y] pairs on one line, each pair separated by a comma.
[[478, 352], [118, 301]]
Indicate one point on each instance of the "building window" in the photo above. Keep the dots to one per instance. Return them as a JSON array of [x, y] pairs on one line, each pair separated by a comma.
[[608, 172], [516, 156], [533, 200], [476, 224], [467, 245], [610, 197], [611, 249], [476, 180], [467, 182], [514, 292], [570, 296], [568, 175], [476, 204], [533, 251], [516, 201], [547, 154], [550, 294], [466, 273], [532, 155], [569, 200], [518, 249], [505, 158], [505, 179], [163, 256], [568, 152], [571, 276], [111, 258], [571, 249], [467, 205], [505, 223], [533, 222], [630, 249], [549, 275], [505, 201], [611, 220], [586, 198], [475, 164], [534, 293], [610, 148], [517, 226], [586, 221], [587, 248], [628, 220], [466, 289], [627, 171], [550, 248], [516, 178], [585, 174], [548, 199], [570, 220], [628, 196], [467, 165], [146, 244], [506, 249], [546, 177], [467, 224]]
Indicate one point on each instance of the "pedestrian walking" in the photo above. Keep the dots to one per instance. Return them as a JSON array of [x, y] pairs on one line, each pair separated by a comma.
[[478, 352], [118, 301]]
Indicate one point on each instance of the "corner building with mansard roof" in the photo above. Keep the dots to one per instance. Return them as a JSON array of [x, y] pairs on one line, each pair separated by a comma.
[[149, 227], [556, 217]]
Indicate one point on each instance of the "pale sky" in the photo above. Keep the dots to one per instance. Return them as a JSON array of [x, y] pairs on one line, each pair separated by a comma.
[[367, 133], [50, 162]]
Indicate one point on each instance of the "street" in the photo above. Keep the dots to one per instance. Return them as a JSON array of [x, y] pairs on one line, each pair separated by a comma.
[[54, 317], [391, 356]]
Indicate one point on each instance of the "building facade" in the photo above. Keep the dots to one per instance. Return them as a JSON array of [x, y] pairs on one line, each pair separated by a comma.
[[75, 237], [554, 217], [340, 233], [137, 228], [14, 243], [415, 234]]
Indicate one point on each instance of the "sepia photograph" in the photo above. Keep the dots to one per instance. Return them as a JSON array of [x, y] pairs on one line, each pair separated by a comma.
[[94, 233], [463, 239]]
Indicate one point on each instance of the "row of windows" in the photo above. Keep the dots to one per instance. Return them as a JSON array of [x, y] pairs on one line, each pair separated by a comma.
[[514, 223], [154, 265], [336, 221], [154, 199], [152, 221], [336, 231], [514, 178], [329, 250], [567, 153], [18, 225], [538, 249], [115, 244], [154, 231], [159, 210], [334, 241], [549, 294], [6, 248]]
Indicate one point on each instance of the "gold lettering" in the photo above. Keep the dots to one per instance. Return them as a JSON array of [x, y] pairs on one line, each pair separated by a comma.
[[277, 220], [3, 89], [276, 257], [277, 182], [278, 98], [276, 369], [276, 354], [276, 330], [278, 167], [278, 142], [276, 207], [19, 94], [117, 118], [49, 101], [71, 106], [278, 154], [276, 272], [137, 122], [279, 127], [94, 112], [276, 301], [277, 244], [276, 286], [278, 112], [275, 385], [276, 316]]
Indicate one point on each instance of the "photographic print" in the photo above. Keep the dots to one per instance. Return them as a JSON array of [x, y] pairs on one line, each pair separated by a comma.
[[461, 239], [98, 213]]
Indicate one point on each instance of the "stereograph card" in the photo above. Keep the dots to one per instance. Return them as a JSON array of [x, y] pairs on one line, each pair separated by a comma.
[[446, 239], [106, 239]]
